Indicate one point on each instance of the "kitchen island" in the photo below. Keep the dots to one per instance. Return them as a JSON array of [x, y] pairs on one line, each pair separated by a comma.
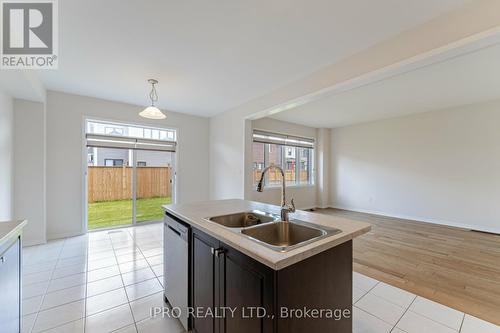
[[238, 282]]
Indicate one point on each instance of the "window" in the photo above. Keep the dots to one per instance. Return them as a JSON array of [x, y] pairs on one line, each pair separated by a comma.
[[113, 162], [258, 161], [290, 165], [133, 131], [90, 156], [141, 164], [113, 130], [274, 155], [116, 135], [305, 166], [295, 155]]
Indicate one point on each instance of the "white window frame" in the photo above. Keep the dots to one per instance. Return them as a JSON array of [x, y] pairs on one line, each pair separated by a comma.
[[283, 141]]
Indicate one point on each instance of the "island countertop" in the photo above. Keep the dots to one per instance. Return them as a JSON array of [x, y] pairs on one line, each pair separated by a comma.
[[196, 215], [10, 228]]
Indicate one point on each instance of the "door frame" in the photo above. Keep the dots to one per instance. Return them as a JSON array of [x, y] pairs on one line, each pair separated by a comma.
[[134, 185]]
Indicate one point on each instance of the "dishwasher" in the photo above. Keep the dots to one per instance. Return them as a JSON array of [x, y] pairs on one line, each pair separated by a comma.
[[176, 266]]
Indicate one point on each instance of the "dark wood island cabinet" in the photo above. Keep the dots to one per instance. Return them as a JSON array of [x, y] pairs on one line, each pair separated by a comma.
[[308, 296], [250, 272]]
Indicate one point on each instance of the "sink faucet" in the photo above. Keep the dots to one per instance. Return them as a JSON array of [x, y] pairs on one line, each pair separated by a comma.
[[285, 208]]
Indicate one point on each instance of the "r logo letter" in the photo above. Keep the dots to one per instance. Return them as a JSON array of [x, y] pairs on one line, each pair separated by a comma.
[[35, 21], [16, 28]]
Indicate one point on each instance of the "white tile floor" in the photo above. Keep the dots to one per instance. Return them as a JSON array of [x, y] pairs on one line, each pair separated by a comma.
[[379, 307], [102, 282], [108, 282]]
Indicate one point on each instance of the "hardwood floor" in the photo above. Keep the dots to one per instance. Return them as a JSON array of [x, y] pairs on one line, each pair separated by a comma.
[[456, 267]]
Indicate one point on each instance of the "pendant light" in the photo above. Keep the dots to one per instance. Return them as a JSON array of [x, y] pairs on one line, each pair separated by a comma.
[[152, 112]]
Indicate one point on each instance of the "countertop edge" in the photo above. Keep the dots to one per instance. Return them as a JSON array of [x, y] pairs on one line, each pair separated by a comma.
[[16, 226], [307, 251]]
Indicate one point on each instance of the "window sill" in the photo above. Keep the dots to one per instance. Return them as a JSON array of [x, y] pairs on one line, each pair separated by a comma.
[[278, 187]]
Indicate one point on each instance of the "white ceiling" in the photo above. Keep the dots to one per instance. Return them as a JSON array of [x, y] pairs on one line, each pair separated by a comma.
[[468, 79], [210, 56]]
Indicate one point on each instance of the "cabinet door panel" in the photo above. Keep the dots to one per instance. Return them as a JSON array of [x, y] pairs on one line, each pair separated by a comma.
[[205, 280], [10, 299], [323, 281], [246, 285]]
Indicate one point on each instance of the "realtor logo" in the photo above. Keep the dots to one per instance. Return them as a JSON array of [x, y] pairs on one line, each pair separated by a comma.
[[29, 34]]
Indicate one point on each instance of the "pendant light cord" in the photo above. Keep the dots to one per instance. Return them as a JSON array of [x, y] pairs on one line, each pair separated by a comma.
[[153, 95]]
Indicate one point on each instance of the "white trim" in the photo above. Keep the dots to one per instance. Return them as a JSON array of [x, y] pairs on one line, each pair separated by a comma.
[[133, 162], [64, 235], [84, 225], [44, 165], [33, 242], [175, 157], [421, 219], [304, 208], [278, 187]]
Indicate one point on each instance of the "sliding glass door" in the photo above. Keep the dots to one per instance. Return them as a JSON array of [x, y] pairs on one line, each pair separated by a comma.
[[109, 187], [130, 173], [154, 180]]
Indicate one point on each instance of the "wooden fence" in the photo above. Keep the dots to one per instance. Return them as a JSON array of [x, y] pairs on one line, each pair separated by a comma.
[[115, 183]]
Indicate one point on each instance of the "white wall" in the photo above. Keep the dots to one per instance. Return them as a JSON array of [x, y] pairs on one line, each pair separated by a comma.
[[6, 157], [29, 161], [65, 187], [304, 196], [441, 167]]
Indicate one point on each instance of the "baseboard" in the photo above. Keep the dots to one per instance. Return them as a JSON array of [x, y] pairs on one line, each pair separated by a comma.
[[306, 208], [32, 242], [63, 235], [421, 219]]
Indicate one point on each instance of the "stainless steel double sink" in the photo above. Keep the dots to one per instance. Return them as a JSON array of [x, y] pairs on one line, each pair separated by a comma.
[[268, 230]]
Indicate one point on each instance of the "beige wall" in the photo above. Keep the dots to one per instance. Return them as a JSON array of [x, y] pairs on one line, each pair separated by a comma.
[[440, 167], [227, 157], [29, 159], [65, 159], [6, 156]]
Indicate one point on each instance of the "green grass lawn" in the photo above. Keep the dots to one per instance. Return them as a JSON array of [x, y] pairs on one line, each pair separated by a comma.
[[107, 214]]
